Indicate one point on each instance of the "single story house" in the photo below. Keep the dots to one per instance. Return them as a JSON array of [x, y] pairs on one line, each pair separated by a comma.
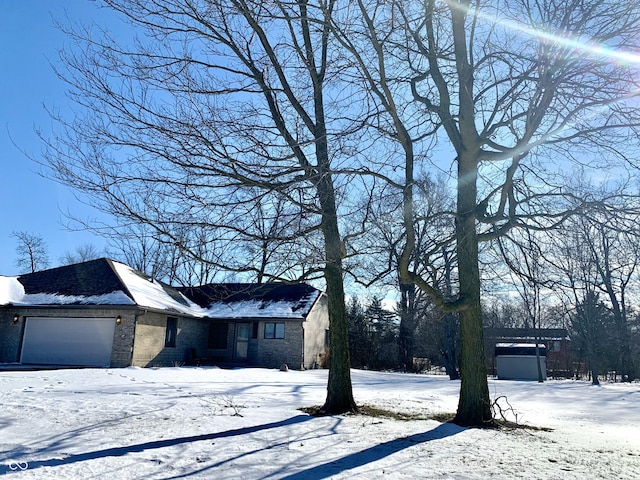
[[103, 313]]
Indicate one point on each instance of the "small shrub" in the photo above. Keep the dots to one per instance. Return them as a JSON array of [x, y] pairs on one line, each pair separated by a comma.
[[224, 405]]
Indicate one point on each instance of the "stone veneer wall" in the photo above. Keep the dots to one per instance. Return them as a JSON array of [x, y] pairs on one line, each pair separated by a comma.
[[10, 336]]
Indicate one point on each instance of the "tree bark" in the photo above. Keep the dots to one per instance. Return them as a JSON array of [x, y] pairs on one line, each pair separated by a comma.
[[474, 408], [339, 389]]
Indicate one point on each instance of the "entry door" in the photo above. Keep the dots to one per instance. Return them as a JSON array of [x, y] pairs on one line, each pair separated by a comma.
[[242, 341]]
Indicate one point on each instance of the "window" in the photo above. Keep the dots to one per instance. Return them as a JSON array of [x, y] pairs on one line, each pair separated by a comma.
[[327, 340], [274, 330], [218, 336], [171, 332], [254, 330], [554, 346]]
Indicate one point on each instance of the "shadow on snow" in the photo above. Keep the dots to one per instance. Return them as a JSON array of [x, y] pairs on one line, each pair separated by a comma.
[[318, 472], [140, 447], [373, 454]]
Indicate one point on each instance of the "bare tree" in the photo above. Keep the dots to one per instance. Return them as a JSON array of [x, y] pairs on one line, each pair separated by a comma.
[[606, 244], [141, 248], [614, 249], [82, 253], [221, 108], [380, 249], [526, 263], [508, 87], [31, 251]]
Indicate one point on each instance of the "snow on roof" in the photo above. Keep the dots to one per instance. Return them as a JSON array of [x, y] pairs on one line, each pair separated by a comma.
[[151, 293], [254, 301], [255, 309], [12, 292], [106, 282]]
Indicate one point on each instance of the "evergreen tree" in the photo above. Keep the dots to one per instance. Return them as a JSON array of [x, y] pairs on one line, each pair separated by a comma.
[[384, 332], [359, 334], [591, 327]]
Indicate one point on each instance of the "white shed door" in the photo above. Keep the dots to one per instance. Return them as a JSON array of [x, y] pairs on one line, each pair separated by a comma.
[[68, 341]]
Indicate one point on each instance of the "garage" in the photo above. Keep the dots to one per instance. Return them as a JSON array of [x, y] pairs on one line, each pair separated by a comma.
[[518, 361], [68, 341]]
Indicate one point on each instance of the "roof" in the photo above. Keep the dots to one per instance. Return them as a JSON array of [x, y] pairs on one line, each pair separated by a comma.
[[106, 282], [96, 277], [96, 282], [250, 300], [526, 333]]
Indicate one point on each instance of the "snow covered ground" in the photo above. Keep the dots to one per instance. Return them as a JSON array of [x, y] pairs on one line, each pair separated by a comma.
[[245, 424]]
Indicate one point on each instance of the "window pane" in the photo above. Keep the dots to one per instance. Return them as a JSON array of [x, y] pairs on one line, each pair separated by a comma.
[[279, 330], [269, 330], [171, 332], [274, 330]]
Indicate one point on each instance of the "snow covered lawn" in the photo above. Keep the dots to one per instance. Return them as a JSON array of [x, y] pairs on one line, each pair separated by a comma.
[[245, 424]]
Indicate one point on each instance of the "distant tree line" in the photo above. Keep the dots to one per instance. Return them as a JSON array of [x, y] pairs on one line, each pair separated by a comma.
[[595, 354]]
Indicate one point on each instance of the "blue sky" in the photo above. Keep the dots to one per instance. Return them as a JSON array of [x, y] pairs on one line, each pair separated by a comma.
[[29, 42]]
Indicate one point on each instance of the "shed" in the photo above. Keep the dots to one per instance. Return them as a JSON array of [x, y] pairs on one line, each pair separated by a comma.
[[517, 361]]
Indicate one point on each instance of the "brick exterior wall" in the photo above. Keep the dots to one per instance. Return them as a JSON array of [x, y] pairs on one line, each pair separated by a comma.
[[273, 352], [150, 350], [122, 349]]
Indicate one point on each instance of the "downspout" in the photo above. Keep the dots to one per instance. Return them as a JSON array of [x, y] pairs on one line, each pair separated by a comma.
[[303, 349]]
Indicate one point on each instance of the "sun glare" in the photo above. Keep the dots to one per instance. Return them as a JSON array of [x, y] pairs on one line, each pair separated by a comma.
[[583, 44]]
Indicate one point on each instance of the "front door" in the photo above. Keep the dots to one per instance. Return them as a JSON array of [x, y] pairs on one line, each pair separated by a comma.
[[242, 341]]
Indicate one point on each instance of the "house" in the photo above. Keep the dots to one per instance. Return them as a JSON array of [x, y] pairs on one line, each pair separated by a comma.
[[103, 313], [264, 324], [555, 340]]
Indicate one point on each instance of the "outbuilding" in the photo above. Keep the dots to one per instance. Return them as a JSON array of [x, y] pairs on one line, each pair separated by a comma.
[[517, 361]]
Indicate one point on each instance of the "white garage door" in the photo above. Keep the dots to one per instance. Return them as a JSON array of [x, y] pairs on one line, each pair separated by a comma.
[[68, 341]]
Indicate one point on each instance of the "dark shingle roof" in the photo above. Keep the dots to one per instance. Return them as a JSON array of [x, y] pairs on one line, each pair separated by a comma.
[[299, 296], [95, 277], [94, 281]]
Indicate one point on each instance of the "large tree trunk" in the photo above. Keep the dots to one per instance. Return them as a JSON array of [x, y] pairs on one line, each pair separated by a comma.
[[339, 389], [474, 408]]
